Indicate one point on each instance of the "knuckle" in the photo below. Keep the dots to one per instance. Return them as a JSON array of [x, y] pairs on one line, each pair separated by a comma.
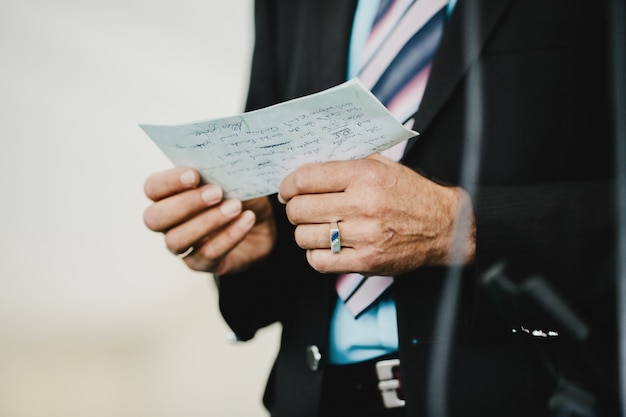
[[174, 243], [193, 264], [299, 235], [370, 207], [302, 180], [371, 172], [374, 262], [293, 210], [310, 257], [204, 259], [318, 263], [368, 260], [209, 253], [149, 187], [150, 219]]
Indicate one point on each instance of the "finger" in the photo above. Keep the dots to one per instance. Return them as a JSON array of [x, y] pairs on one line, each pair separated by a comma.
[[319, 208], [180, 238], [211, 254], [317, 178], [171, 211], [172, 181], [355, 235], [324, 261], [315, 192], [317, 236]]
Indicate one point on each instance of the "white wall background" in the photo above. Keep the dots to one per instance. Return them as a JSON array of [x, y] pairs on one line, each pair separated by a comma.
[[96, 317]]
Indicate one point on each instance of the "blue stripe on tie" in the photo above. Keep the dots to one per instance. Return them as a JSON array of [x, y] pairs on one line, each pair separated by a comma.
[[382, 10], [411, 59]]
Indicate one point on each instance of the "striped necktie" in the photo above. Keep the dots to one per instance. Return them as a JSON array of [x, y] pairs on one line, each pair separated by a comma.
[[396, 64]]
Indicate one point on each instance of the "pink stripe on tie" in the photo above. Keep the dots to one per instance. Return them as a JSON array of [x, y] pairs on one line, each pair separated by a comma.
[[384, 26], [418, 15], [369, 291], [348, 283], [406, 102]]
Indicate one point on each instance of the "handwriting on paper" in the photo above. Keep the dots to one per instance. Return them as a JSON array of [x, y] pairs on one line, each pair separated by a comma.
[[250, 153]]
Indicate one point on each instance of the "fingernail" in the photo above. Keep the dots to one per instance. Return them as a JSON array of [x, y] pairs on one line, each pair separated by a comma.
[[212, 194], [187, 178], [231, 207]]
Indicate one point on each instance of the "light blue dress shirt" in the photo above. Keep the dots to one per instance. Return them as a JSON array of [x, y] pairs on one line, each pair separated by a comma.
[[375, 332]]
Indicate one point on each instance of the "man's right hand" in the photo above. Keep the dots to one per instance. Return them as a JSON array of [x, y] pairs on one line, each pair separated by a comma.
[[215, 235]]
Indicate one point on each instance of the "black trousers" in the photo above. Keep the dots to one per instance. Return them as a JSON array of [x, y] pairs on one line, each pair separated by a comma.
[[352, 390]]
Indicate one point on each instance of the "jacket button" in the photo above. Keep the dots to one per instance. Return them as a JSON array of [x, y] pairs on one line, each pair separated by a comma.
[[313, 357]]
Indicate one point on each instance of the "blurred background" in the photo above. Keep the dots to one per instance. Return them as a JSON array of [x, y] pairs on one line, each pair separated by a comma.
[[96, 317]]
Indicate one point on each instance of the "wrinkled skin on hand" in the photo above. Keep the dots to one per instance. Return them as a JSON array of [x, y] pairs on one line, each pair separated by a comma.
[[391, 219]]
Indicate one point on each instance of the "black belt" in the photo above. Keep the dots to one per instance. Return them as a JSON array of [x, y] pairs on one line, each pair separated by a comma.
[[372, 387]]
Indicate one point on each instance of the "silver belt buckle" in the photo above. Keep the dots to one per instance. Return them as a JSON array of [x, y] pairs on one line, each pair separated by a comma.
[[387, 384]]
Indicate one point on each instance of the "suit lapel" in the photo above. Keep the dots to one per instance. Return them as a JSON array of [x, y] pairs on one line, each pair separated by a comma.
[[457, 51]]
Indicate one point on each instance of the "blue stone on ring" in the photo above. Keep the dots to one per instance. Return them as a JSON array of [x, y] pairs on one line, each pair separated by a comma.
[[335, 241]]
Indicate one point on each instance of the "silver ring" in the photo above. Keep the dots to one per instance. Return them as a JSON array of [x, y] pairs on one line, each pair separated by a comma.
[[186, 253], [335, 240]]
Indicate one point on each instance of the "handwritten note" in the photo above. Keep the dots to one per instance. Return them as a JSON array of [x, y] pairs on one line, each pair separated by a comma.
[[250, 153]]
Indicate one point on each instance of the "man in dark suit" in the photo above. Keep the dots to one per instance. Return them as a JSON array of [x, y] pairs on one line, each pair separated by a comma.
[[513, 169]]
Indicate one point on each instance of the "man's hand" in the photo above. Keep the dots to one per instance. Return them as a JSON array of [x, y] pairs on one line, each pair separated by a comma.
[[215, 234], [391, 219]]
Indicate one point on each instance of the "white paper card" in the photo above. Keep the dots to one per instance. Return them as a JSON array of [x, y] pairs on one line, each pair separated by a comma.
[[250, 153]]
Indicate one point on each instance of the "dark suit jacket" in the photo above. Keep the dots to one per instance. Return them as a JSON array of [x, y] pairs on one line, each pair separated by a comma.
[[523, 87]]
